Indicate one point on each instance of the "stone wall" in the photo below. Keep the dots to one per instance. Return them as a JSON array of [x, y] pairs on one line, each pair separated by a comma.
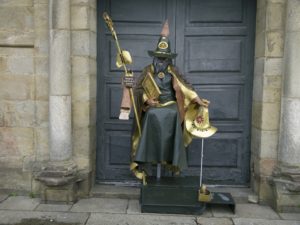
[[269, 43], [83, 61], [24, 90]]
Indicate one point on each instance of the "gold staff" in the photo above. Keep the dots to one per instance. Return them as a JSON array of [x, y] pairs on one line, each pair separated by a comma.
[[122, 63]]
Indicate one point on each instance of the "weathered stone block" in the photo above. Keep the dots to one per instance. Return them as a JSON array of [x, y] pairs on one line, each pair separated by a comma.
[[41, 42], [275, 16], [267, 166], [285, 201], [16, 141], [93, 45], [265, 116], [256, 114], [81, 43], [16, 3], [93, 66], [274, 43], [80, 66], [15, 179], [42, 88], [258, 88], [16, 18], [272, 81], [28, 163], [81, 88], [80, 17], [79, 2], [270, 116], [3, 64], [2, 112], [266, 191], [41, 66], [83, 113], [41, 16], [19, 114], [293, 16], [264, 143], [260, 44], [93, 90], [83, 162], [261, 16], [42, 143], [84, 88], [273, 66], [20, 65], [17, 37], [42, 113], [11, 162], [9, 85], [65, 194], [93, 18], [84, 141], [271, 95], [269, 144]]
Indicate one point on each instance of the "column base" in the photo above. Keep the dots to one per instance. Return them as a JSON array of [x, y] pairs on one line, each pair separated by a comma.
[[58, 182], [287, 189]]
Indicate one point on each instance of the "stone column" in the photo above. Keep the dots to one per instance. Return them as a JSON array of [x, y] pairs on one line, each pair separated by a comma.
[[59, 176], [287, 175], [60, 138]]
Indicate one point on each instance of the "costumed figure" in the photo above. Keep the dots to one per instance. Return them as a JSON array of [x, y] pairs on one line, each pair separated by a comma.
[[163, 98]]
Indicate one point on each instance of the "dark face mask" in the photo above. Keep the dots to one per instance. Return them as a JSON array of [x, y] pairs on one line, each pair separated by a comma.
[[161, 64]]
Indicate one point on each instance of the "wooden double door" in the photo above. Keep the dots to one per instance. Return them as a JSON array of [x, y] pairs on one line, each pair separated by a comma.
[[214, 42]]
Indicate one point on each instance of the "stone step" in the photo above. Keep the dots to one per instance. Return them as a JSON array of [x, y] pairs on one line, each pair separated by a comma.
[[240, 194]]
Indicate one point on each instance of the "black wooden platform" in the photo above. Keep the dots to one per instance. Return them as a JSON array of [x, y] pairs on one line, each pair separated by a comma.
[[178, 195]]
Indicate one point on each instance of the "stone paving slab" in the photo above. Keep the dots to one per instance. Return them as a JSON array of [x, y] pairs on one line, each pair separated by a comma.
[[133, 207], [13, 217], [20, 203], [249, 221], [290, 216], [125, 219], [256, 211], [106, 205], [53, 208], [3, 197], [214, 221], [246, 211]]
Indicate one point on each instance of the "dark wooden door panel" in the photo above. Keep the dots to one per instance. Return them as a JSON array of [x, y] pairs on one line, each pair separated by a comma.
[[214, 42]]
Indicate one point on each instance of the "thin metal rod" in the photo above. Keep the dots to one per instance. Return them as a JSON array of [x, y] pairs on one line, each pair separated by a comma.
[[201, 163]]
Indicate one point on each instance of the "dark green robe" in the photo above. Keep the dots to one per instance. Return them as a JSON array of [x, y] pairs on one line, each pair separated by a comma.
[[162, 140]]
